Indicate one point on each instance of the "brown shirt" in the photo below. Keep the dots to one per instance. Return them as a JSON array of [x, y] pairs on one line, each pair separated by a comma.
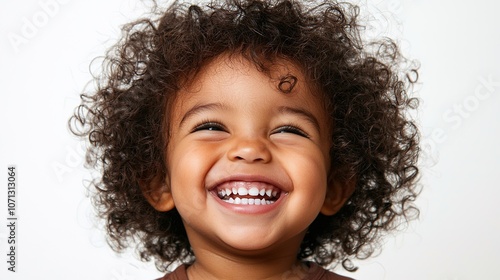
[[313, 272]]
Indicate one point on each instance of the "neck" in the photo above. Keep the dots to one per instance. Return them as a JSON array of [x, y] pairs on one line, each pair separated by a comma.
[[236, 268], [268, 264]]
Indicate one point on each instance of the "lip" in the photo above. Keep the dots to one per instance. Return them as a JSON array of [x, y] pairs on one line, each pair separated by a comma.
[[250, 209]]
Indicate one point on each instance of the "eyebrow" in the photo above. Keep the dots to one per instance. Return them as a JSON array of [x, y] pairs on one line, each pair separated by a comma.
[[200, 108], [301, 112]]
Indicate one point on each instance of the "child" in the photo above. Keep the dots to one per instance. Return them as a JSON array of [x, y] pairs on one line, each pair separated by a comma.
[[251, 140]]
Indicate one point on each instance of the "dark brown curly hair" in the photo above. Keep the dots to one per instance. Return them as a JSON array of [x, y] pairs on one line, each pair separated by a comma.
[[366, 88]]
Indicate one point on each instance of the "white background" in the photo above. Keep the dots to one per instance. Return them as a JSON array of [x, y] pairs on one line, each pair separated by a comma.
[[45, 51]]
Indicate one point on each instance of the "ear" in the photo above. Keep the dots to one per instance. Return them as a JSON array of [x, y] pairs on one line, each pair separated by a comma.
[[158, 194], [337, 193]]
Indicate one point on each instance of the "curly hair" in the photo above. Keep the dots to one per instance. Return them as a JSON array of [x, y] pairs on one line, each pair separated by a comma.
[[366, 87]]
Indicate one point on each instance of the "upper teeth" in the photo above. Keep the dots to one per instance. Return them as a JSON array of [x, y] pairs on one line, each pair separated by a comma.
[[242, 191], [232, 194], [253, 191]]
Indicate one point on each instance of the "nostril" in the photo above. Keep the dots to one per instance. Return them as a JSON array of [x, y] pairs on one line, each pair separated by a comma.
[[250, 159]]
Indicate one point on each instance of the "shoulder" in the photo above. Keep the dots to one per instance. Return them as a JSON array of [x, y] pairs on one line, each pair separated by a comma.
[[178, 274], [316, 272], [319, 273]]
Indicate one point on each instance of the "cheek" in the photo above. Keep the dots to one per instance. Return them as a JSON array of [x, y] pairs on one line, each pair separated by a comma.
[[309, 177], [185, 161], [188, 167], [309, 174]]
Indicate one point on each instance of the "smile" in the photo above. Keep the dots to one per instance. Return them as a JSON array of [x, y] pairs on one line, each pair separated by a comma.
[[248, 193]]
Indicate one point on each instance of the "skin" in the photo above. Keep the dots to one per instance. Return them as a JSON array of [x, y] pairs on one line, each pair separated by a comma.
[[232, 127]]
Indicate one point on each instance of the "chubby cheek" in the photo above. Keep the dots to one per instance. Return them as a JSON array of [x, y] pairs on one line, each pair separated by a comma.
[[309, 176], [187, 169]]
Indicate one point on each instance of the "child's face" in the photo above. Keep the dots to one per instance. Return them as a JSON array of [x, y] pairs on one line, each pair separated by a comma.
[[232, 130]]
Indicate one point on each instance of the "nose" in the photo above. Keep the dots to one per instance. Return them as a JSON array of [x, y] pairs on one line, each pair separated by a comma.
[[249, 150]]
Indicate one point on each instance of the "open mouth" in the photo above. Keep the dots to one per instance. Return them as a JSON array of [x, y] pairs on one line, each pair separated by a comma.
[[257, 194]]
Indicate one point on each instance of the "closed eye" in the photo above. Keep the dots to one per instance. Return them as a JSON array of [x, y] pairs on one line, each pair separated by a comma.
[[210, 126], [291, 129]]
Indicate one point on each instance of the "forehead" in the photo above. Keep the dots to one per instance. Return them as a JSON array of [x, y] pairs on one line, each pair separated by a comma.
[[280, 76]]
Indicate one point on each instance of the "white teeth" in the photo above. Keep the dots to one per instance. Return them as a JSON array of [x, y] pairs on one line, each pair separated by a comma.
[[236, 195], [242, 191], [249, 201], [253, 191]]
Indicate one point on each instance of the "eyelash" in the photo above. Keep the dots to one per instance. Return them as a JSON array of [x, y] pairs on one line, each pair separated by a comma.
[[292, 129], [217, 126], [209, 125]]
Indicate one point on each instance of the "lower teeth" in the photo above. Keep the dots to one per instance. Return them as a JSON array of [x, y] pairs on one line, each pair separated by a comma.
[[248, 201]]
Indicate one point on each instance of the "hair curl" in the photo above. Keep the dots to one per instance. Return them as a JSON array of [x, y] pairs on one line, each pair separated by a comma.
[[366, 90]]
